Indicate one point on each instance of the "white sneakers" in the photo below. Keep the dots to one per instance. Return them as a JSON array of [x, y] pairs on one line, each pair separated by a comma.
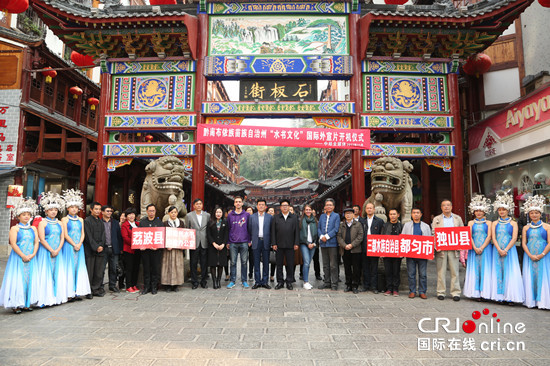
[[307, 286]]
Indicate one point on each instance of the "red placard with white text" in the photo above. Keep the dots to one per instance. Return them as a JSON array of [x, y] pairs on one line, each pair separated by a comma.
[[148, 237], [395, 246], [178, 238], [453, 238]]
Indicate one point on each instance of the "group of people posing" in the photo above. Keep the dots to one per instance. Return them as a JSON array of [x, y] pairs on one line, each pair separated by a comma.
[[55, 261]]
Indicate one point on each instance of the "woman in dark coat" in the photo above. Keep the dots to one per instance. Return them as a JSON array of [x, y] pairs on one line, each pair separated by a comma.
[[217, 234]]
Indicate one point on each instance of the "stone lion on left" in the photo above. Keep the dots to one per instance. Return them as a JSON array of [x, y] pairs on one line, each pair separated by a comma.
[[163, 185]]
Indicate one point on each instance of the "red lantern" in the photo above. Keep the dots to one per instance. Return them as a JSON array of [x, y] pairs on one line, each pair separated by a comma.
[[162, 2], [395, 2], [545, 3], [75, 91], [93, 102], [81, 60], [477, 64], [14, 6], [149, 138], [49, 74]]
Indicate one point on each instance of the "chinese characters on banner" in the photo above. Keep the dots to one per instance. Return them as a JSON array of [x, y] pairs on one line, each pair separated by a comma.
[[148, 237], [15, 194], [453, 238], [9, 126], [281, 136], [178, 238], [410, 246]]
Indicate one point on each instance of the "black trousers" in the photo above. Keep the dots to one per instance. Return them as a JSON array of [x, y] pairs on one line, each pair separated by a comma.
[[282, 254], [95, 263], [199, 255], [352, 268], [316, 262], [152, 261], [370, 272], [131, 267], [392, 268], [111, 259]]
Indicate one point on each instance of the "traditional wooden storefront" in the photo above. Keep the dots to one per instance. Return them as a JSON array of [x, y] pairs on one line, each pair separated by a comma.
[[392, 69]]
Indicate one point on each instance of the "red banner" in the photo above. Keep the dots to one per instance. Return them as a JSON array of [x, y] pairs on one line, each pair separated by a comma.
[[281, 136], [409, 246], [177, 238], [148, 237], [453, 238]]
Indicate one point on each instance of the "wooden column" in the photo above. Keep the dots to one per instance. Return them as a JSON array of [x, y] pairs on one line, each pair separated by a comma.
[[197, 186], [457, 164], [357, 170], [83, 182], [101, 174]]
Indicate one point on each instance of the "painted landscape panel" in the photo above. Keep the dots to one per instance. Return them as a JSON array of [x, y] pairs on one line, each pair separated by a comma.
[[302, 35]]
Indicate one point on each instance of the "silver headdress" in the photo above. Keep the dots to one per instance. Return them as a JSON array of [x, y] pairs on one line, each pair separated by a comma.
[[534, 203], [24, 205], [505, 201], [73, 197], [480, 202], [50, 200]]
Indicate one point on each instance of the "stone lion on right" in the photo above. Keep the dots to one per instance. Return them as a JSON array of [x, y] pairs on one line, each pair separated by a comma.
[[391, 187]]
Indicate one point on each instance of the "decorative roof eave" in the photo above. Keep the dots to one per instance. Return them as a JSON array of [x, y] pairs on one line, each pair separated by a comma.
[[64, 23], [482, 23]]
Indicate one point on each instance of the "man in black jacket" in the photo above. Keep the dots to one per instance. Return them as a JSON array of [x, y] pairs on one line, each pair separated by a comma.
[[113, 244], [392, 266], [372, 225], [285, 239], [151, 258], [94, 243]]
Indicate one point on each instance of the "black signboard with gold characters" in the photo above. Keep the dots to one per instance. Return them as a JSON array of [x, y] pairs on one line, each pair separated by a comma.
[[278, 89]]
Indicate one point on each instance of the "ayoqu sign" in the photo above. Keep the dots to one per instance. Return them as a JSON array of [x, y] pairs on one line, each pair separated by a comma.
[[523, 114]]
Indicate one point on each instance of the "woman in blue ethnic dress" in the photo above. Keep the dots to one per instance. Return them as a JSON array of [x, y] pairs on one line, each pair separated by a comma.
[[536, 264], [53, 268], [506, 281], [19, 285], [477, 283], [78, 283]]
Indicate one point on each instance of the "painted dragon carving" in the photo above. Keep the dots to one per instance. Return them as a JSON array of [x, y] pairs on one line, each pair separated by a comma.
[[163, 185], [391, 187]]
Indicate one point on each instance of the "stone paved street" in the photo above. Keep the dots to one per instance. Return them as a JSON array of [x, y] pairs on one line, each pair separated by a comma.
[[264, 327]]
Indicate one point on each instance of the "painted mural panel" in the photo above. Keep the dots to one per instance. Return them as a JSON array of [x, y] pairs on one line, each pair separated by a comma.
[[305, 35], [153, 93], [405, 93]]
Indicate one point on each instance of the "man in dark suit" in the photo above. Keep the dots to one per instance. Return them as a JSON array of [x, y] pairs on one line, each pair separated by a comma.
[[372, 225], [259, 226], [151, 259], [285, 239], [198, 220], [113, 245], [94, 242]]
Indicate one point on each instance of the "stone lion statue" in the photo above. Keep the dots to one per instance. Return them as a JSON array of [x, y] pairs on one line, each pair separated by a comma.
[[391, 188], [163, 186]]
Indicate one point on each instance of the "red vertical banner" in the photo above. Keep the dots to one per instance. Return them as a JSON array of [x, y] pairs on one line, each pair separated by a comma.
[[453, 238], [148, 237]]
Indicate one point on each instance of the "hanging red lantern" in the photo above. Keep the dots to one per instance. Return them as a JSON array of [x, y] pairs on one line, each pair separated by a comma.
[[82, 60], [395, 2], [14, 6], [149, 138], [75, 91], [545, 3], [49, 74], [93, 102], [162, 2], [477, 64]]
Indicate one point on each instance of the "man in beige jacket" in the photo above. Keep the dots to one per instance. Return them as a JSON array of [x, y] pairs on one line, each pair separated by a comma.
[[442, 257]]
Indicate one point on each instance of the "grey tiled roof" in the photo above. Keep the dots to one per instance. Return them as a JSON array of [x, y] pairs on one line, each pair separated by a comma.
[[17, 35]]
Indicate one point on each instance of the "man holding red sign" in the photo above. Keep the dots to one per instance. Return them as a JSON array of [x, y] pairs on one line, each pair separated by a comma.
[[417, 227], [444, 257], [151, 258]]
